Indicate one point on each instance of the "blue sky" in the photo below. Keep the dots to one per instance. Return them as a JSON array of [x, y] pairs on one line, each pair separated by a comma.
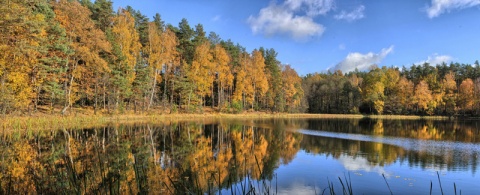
[[317, 35]]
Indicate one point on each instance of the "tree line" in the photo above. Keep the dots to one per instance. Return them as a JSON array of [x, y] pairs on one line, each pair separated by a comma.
[[77, 53], [443, 89], [60, 54]]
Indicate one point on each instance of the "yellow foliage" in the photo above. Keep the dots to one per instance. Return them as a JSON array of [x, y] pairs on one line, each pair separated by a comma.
[[423, 95], [240, 85], [254, 84], [128, 39], [88, 42], [291, 86], [222, 60], [202, 71], [466, 94], [22, 34], [22, 160]]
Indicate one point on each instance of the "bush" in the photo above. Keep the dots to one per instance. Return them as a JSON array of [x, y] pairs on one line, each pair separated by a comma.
[[174, 108], [237, 107]]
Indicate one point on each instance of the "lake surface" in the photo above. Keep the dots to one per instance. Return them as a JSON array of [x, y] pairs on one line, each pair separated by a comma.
[[273, 156]]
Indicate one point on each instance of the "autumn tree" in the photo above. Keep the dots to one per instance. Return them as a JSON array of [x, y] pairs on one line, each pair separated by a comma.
[[162, 55], [405, 93], [275, 99], [241, 79], [201, 72], [373, 90], [291, 87], [22, 36], [257, 78], [126, 42], [140, 24], [466, 95], [476, 105], [391, 91], [155, 59], [235, 53], [51, 72], [224, 76], [353, 92], [87, 41], [449, 96], [251, 81], [171, 59], [423, 98]]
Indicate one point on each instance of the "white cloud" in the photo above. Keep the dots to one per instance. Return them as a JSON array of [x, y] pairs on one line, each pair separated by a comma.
[[217, 18], [436, 59], [293, 18], [356, 14], [362, 61], [311, 7], [441, 6]]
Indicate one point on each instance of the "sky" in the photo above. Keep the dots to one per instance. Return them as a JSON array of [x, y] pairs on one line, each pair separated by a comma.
[[322, 35]]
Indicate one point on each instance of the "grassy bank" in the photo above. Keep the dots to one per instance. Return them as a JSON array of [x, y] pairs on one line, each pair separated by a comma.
[[41, 121]]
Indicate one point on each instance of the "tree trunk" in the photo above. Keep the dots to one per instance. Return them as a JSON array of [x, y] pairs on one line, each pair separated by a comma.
[[164, 98], [172, 92], [104, 96], [213, 94], [69, 92], [153, 89], [219, 94], [96, 99]]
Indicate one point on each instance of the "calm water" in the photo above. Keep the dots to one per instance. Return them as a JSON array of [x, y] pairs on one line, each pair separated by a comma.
[[274, 156]]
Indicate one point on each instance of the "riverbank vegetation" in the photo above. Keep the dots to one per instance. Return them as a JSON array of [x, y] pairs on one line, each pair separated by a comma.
[[58, 57], [445, 90]]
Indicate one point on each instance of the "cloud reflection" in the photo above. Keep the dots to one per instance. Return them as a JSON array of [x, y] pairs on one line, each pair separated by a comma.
[[360, 163]]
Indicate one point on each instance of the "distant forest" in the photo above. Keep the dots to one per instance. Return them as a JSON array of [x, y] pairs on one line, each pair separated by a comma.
[[56, 55], [443, 89]]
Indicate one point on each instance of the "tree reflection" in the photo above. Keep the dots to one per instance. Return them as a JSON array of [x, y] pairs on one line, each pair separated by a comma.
[[208, 156], [380, 154], [168, 158]]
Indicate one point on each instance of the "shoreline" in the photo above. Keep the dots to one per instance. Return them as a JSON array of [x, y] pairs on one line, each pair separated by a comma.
[[51, 122]]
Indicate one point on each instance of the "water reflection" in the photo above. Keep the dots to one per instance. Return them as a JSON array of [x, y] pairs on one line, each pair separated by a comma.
[[230, 156], [175, 158], [421, 143]]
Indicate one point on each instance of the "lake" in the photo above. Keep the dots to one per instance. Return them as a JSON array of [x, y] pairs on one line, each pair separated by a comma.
[[246, 156]]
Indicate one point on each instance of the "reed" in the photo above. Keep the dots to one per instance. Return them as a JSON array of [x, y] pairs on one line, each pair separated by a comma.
[[387, 184], [54, 122], [439, 182]]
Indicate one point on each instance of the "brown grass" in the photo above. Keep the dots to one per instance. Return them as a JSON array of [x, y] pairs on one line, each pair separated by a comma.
[[86, 119]]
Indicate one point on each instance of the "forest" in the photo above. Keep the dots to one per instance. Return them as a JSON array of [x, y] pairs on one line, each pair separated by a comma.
[[445, 90], [64, 54], [55, 55]]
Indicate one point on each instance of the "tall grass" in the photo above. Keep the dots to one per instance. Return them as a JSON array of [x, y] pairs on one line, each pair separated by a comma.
[[55, 122]]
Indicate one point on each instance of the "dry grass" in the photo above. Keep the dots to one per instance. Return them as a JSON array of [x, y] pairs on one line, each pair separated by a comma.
[[403, 117], [42, 121]]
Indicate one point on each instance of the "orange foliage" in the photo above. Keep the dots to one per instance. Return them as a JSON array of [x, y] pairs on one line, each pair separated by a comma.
[[291, 87], [466, 94], [128, 39]]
